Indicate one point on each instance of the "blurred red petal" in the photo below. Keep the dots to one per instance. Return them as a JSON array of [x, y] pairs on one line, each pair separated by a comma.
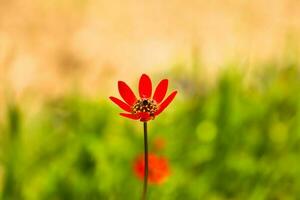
[[145, 86], [130, 116], [158, 168], [166, 102], [126, 93], [160, 91], [121, 104]]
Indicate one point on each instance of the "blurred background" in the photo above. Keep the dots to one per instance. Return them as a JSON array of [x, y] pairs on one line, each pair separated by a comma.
[[233, 131]]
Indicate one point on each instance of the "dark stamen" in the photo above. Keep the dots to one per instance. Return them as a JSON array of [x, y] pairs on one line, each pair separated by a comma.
[[145, 102], [145, 105]]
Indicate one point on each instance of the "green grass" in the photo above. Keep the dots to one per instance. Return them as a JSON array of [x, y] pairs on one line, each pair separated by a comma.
[[236, 140]]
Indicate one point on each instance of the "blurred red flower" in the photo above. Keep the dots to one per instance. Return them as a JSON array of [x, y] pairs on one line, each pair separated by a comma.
[[158, 168], [146, 107]]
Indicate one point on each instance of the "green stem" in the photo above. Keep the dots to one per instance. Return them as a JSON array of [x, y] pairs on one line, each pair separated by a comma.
[[146, 161]]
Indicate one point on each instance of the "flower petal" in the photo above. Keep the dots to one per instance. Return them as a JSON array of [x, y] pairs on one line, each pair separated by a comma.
[[145, 86], [166, 102], [160, 91], [130, 116], [121, 104], [145, 116], [126, 93], [158, 167]]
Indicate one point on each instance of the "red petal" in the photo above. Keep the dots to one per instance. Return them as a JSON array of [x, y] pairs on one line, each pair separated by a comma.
[[121, 104], [160, 91], [126, 93], [166, 102], [145, 117], [158, 168], [130, 116], [145, 86]]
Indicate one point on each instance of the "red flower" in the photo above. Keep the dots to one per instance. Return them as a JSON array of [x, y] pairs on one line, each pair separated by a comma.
[[158, 168], [146, 107]]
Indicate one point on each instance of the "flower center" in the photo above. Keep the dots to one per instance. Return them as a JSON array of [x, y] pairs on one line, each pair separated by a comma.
[[145, 105]]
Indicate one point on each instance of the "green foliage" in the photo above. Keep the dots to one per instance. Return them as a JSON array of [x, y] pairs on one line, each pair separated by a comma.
[[237, 140]]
